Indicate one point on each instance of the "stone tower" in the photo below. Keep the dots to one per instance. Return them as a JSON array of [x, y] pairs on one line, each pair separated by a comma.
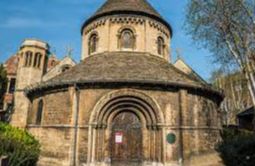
[[32, 65]]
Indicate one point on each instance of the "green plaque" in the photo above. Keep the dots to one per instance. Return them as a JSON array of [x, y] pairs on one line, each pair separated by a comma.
[[171, 138]]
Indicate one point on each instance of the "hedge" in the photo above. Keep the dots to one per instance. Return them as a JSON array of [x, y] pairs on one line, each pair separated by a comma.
[[237, 148], [21, 148]]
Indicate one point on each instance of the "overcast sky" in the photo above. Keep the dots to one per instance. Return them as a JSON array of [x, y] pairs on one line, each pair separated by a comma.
[[58, 22]]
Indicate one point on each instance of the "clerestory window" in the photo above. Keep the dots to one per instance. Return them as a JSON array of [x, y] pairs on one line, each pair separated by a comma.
[[127, 39], [93, 43], [161, 45]]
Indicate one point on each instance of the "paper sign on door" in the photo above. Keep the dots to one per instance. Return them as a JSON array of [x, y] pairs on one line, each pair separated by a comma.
[[118, 137]]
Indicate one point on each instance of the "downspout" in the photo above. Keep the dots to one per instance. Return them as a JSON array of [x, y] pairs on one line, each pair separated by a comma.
[[77, 101]]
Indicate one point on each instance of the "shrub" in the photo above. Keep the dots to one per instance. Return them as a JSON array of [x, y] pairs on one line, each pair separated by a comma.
[[21, 148], [237, 148]]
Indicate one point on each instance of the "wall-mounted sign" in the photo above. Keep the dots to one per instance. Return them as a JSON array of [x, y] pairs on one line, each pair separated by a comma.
[[118, 137], [171, 138]]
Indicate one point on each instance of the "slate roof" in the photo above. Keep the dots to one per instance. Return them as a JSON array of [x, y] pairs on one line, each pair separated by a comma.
[[11, 65], [127, 5], [124, 67], [138, 7]]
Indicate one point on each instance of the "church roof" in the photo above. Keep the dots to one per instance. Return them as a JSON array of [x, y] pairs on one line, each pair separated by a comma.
[[183, 66], [123, 67], [139, 7], [11, 65], [127, 5]]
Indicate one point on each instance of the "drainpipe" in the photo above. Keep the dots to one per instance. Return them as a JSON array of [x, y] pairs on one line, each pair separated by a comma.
[[77, 100]]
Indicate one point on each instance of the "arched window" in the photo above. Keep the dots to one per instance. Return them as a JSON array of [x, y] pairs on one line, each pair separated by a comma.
[[161, 45], [28, 58], [127, 39], [93, 43], [39, 112]]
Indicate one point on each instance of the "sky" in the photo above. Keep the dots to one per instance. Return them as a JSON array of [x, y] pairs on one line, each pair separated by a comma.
[[58, 22]]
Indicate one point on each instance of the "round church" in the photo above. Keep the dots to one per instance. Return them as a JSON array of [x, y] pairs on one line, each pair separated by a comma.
[[125, 103]]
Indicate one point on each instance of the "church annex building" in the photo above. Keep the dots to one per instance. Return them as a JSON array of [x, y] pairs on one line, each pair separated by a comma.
[[124, 104]]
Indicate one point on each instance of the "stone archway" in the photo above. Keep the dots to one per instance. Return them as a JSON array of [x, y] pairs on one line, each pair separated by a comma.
[[101, 128]]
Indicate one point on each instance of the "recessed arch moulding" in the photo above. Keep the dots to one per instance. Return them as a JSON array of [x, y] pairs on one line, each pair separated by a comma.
[[114, 103]]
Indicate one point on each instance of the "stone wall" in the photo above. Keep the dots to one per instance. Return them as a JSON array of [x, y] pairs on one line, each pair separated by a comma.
[[194, 135], [57, 109], [56, 145]]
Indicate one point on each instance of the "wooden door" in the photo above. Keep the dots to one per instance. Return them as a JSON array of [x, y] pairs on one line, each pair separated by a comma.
[[126, 140]]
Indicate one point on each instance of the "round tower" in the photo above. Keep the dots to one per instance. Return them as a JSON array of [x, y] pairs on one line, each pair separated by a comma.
[[32, 66], [126, 26]]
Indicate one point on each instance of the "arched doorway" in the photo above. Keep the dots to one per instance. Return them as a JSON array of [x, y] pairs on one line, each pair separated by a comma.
[[110, 118], [126, 140]]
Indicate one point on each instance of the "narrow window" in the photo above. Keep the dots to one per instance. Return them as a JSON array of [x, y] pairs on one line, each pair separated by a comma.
[[39, 60], [29, 57], [35, 60], [12, 85], [127, 39], [93, 43], [39, 112], [161, 46]]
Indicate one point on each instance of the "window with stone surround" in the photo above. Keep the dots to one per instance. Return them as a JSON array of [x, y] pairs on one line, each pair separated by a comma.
[[93, 43], [161, 45], [28, 58], [39, 112], [127, 39], [37, 60]]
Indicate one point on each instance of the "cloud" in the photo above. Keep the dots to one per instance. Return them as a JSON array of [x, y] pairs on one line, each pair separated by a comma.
[[29, 23]]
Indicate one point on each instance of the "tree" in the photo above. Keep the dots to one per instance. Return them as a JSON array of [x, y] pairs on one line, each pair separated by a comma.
[[227, 29], [3, 83], [21, 148], [236, 94]]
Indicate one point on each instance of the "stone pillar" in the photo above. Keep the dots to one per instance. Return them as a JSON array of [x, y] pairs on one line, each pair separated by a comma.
[[181, 116], [74, 93], [196, 124]]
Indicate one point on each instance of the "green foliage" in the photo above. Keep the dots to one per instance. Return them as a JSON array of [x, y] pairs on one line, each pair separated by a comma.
[[237, 147], [224, 27], [21, 147]]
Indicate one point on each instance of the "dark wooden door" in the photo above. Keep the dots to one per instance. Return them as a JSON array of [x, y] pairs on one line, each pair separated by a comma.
[[126, 140]]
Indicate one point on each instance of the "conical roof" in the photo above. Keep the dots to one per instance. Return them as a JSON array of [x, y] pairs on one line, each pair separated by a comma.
[[138, 7], [127, 5], [130, 69]]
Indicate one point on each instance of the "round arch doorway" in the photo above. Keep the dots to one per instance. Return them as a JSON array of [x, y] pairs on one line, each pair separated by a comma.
[[126, 140], [108, 120]]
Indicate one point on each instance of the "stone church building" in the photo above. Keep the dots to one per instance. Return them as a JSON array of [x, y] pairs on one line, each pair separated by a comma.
[[125, 104]]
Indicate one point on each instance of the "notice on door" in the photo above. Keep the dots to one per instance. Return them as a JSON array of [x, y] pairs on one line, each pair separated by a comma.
[[118, 137]]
